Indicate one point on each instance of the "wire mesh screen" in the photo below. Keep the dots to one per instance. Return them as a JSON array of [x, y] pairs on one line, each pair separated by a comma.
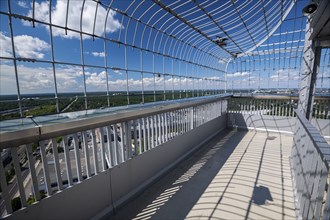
[[67, 55], [275, 65]]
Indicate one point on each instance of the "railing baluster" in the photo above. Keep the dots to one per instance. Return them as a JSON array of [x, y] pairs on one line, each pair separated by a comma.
[[19, 178], [152, 132], [200, 115], [290, 107], [149, 136], [265, 109], [175, 122], [160, 132], [160, 127], [87, 157], [144, 134], [32, 169], [116, 144], [196, 116], [326, 109], [95, 157], [156, 130], [192, 118], [135, 138], [177, 127], [102, 150], [166, 126], [45, 167], [109, 141], [320, 103], [5, 193], [77, 156], [186, 118], [57, 164], [125, 140], [122, 144], [171, 127], [128, 136], [181, 121], [183, 117], [67, 160], [178, 121], [140, 135]]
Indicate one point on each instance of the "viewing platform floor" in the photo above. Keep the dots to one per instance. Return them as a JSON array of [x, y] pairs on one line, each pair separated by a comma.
[[236, 175]]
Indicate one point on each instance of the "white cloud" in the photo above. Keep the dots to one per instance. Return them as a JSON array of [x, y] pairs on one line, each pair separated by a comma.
[[74, 15], [69, 79], [39, 79], [285, 75], [23, 4], [251, 79], [5, 43], [98, 54], [25, 46], [238, 74], [97, 80]]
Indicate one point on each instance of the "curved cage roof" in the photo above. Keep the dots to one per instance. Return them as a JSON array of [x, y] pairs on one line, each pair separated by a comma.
[[148, 50]]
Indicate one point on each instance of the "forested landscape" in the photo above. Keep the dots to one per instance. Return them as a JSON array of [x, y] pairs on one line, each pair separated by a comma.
[[45, 104]]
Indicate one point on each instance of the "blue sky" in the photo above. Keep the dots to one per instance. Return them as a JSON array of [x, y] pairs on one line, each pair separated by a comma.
[[38, 77]]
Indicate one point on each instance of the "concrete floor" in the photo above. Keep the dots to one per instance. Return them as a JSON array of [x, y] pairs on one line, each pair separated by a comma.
[[237, 175]]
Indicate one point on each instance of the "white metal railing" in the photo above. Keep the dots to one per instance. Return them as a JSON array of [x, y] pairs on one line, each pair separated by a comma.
[[50, 158], [310, 160], [277, 105]]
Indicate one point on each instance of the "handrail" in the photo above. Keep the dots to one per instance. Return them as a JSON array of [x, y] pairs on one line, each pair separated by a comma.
[[315, 137], [310, 162], [277, 105], [66, 126], [259, 96]]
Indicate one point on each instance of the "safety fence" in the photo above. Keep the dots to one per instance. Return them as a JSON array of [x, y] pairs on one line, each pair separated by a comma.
[[46, 159]]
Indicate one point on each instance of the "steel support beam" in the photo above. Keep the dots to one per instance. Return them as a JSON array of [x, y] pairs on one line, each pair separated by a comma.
[[309, 69]]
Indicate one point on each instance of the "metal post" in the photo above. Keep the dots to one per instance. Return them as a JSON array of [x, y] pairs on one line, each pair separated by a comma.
[[309, 69], [226, 72]]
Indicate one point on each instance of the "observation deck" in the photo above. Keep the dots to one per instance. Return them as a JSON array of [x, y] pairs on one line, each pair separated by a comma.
[[165, 110]]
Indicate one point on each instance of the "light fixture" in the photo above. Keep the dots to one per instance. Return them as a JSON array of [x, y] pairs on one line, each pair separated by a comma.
[[309, 9], [221, 41]]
